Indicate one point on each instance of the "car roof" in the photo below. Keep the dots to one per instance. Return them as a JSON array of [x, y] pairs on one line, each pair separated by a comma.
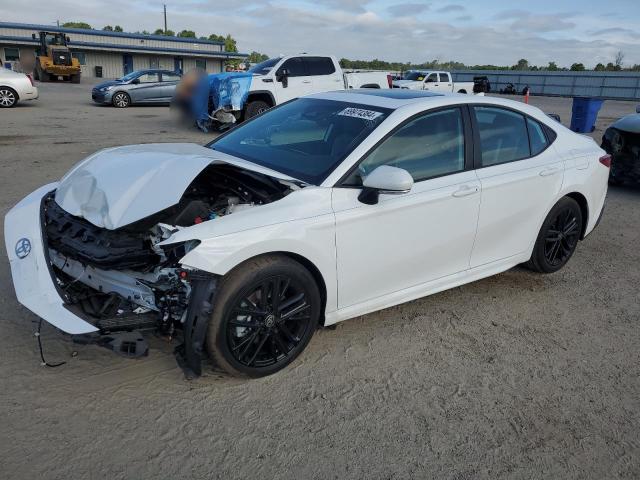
[[388, 98]]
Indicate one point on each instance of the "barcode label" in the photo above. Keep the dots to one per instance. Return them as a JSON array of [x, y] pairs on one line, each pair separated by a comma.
[[360, 113]]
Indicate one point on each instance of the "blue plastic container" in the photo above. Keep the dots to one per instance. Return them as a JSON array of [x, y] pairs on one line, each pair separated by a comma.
[[584, 114]]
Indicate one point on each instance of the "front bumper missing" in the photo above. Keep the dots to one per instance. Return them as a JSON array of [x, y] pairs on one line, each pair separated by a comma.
[[34, 284]]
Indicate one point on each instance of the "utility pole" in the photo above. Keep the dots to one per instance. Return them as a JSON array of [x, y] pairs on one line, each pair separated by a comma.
[[165, 19]]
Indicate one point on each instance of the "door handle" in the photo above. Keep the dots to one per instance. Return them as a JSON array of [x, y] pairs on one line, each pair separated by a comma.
[[466, 190], [306, 81], [549, 171]]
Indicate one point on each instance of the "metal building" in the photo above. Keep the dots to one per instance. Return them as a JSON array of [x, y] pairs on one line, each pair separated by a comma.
[[117, 53]]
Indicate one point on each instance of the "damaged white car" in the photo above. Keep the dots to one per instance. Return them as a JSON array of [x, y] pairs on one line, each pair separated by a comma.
[[325, 208]]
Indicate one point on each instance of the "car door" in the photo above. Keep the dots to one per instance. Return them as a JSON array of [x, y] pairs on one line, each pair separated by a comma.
[[431, 82], [168, 82], [323, 74], [445, 83], [406, 240], [520, 174], [145, 88], [297, 82]]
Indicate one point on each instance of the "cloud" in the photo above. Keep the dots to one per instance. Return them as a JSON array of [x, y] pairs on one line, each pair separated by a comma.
[[451, 8], [464, 18], [407, 9], [539, 23], [615, 31], [361, 29]]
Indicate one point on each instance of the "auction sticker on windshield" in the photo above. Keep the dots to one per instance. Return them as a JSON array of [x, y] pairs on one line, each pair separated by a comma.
[[360, 113]]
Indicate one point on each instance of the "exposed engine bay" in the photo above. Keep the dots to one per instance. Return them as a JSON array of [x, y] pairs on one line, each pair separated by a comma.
[[624, 147], [122, 279]]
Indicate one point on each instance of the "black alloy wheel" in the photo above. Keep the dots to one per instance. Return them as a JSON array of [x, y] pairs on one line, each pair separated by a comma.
[[268, 322], [265, 315], [558, 237]]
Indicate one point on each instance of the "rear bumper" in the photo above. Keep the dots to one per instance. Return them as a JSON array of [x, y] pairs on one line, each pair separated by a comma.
[[30, 267], [30, 94]]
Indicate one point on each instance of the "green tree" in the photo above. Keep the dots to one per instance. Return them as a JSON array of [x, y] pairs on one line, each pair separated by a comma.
[[117, 28], [187, 34], [599, 67], [577, 67], [82, 25], [256, 57], [523, 64], [107, 28], [168, 33], [552, 67]]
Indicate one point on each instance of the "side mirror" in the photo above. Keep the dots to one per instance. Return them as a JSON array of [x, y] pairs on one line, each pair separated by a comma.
[[135, 81], [387, 180], [283, 76]]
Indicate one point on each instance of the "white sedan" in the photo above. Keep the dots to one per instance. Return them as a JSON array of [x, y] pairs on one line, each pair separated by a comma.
[[15, 87], [323, 209]]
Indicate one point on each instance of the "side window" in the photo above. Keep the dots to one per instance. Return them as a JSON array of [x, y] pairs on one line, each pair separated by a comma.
[[148, 78], [319, 65], [170, 77], [433, 78], [444, 78], [537, 138], [503, 135], [429, 146], [295, 66]]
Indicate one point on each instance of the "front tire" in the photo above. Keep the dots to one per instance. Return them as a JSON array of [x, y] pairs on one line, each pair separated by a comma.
[[121, 100], [558, 237], [8, 97], [255, 108], [266, 312]]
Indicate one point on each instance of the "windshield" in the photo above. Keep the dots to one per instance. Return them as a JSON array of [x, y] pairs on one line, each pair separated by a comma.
[[129, 76], [306, 138], [415, 76], [265, 67]]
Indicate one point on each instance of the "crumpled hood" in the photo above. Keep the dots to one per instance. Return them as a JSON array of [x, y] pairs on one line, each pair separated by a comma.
[[118, 186], [629, 123]]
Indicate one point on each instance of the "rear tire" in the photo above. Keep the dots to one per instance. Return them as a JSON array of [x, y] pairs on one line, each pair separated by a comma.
[[265, 313], [8, 97], [255, 108], [121, 100], [558, 237]]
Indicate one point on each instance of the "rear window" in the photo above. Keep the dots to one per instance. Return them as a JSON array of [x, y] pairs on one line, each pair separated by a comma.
[[306, 138], [319, 65], [537, 137]]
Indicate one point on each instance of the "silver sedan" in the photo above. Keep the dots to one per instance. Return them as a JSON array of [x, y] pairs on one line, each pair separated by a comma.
[[139, 87]]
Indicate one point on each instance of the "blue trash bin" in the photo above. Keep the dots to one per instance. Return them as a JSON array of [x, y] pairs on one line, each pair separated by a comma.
[[584, 114]]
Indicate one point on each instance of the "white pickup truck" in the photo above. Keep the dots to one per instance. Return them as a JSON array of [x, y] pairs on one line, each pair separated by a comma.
[[435, 81], [281, 79]]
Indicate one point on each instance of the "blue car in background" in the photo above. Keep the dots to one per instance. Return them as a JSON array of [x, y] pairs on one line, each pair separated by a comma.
[[152, 86]]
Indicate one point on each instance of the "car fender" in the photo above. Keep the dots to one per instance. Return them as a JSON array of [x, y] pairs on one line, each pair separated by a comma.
[[307, 238]]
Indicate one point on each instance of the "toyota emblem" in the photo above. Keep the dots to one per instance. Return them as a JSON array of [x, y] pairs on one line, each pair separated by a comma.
[[23, 247]]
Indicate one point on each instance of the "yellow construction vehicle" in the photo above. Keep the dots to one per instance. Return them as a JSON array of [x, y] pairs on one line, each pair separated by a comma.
[[54, 58]]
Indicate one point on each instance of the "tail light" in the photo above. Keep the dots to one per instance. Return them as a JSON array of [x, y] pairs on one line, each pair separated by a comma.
[[30, 77], [605, 160], [390, 81]]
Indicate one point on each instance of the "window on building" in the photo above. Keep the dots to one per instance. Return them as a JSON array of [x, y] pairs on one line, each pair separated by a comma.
[[11, 54], [201, 63], [81, 56], [154, 62], [503, 135]]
